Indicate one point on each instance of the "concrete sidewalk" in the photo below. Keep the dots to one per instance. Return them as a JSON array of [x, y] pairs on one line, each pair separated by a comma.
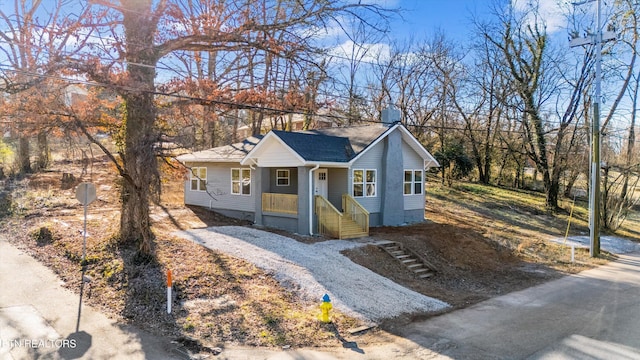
[[38, 319]]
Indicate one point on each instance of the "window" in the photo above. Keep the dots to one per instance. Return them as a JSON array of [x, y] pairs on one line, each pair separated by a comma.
[[364, 183], [413, 182], [241, 181], [199, 179], [282, 177]]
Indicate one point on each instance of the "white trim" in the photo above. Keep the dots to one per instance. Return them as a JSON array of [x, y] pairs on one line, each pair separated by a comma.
[[240, 182], [365, 183], [373, 144], [411, 140], [287, 177], [262, 143], [198, 178], [311, 198], [413, 182]]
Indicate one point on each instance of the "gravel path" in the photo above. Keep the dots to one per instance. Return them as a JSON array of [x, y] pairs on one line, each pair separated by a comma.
[[316, 269]]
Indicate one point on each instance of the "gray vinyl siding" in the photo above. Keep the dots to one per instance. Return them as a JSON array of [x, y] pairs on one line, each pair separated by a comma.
[[219, 186], [412, 161], [371, 160], [338, 185], [292, 188]]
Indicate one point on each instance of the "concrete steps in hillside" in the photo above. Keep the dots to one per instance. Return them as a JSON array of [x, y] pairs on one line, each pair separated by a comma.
[[412, 261]]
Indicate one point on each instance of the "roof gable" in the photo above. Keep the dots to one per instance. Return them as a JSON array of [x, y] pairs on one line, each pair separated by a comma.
[[318, 147], [329, 146]]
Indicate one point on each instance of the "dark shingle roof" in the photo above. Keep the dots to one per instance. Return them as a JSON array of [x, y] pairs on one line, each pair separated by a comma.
[[318, 147], [327, 145], [360, 137], [228, 153]]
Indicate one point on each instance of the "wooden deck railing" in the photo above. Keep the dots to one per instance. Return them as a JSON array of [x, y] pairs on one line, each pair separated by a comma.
[[280, 203]]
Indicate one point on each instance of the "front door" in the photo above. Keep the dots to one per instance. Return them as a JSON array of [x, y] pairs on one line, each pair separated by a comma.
[[321, 183]]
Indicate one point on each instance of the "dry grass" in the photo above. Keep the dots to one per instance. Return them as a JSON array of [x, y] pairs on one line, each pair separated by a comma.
[[218, 299]]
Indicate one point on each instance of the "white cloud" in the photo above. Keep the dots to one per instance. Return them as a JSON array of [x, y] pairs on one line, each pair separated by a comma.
[[372, 52], [551, 12]]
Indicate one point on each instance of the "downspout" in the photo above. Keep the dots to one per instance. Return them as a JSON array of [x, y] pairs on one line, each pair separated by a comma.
[[311, 198]]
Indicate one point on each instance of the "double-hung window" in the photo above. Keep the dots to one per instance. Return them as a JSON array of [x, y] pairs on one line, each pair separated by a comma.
[[413, 182], [198, 179], [282, 177], [241, 181], [364, 183]]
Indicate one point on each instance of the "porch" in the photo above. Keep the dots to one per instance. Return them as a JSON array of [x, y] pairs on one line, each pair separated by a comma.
[[352, 222]]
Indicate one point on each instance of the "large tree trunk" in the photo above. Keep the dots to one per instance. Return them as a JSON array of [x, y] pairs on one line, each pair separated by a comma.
[[24, 155], [43, 151], [140, 164]]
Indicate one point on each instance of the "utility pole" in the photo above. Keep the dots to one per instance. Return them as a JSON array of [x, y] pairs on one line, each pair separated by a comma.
[[594, 194]]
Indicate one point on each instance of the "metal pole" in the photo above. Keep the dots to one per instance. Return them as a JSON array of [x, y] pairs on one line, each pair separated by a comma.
[[84, 232], [594, 197]]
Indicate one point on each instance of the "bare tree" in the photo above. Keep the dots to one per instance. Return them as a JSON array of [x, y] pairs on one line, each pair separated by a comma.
[[145, 33], [31, 44], [537, 76], [622, 175]]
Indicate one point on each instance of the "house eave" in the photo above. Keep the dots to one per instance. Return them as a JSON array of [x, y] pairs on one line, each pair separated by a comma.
[[251, 159], [186, 160]]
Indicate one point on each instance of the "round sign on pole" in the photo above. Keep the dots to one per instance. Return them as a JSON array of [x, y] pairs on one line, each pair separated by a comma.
[[86, 193]]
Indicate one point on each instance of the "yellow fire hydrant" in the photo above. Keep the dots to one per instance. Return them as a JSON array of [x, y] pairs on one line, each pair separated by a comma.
[[325, 307]]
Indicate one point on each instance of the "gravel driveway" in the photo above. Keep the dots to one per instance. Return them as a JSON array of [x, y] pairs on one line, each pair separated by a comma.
[[315, 269]]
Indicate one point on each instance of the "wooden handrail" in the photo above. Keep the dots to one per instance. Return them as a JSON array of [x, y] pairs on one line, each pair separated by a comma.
[[329, 218], [356, 212], [349, 200], [334, 223]]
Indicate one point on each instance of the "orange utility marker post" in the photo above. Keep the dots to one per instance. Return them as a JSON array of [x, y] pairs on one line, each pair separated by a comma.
[[169, 281]]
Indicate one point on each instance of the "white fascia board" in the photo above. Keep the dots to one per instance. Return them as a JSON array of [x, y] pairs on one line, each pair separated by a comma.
[[429, 160], [193, 159], [328, 164], [255, 151], [373, 144]]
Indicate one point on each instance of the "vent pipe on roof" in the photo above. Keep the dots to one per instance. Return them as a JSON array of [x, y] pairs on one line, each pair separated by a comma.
[[390, 116]]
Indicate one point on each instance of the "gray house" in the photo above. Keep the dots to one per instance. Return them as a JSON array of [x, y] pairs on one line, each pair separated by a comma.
[[333, 181]]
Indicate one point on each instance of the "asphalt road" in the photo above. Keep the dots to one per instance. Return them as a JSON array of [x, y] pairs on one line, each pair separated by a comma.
[[591, 315]]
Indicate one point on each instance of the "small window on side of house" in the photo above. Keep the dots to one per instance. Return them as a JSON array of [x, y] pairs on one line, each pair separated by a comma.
[[282, 177], [413, 183], [358, 183], [241, 181], [365, 182], [199, 179]]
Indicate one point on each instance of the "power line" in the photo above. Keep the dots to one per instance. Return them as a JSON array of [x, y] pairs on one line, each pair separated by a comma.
[[236, 105]]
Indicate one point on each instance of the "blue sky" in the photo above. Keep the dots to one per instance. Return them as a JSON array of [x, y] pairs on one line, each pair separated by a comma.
[[454, 17], [423, 17]]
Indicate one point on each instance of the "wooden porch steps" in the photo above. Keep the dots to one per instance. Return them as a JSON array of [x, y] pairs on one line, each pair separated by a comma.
[[351, 230], [412, 261]]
